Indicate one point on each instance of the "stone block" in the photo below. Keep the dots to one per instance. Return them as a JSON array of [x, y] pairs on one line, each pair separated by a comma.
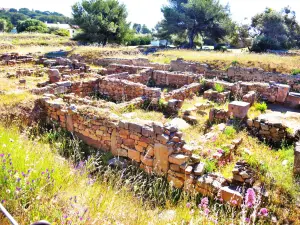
[[283, 91], [178, 159], [134, 155], [238, 109], [230, 194], [199, 169], [161, 158]]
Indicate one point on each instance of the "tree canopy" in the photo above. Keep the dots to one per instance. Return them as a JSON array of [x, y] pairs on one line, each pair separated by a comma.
[[275, 30], [102, 21], [31, 25], [14, 16], [194, 19]]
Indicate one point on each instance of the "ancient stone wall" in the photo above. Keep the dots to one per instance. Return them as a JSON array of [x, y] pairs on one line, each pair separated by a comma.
[[153, 146], [124, 90], [184, 66], [268, 131], [184, 92], [173, 79]]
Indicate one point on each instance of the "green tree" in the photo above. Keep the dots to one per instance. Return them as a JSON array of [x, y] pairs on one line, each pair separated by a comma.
[[205, 18], [102, 21], [145, 30], [137, 27], [31, 25], [3, 24], [275, 30]]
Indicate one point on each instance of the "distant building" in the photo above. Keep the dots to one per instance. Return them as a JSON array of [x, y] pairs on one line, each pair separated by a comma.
[[70, 28]]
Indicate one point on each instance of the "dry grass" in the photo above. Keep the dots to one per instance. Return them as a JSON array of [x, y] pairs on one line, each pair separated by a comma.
[[218, 60], [91, 52], [35, 39]]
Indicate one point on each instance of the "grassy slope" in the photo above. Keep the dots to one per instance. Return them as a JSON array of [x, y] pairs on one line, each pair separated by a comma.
[[218, 60]]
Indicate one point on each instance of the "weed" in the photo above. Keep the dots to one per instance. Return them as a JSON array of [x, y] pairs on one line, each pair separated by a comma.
[[235, 63], [230, 132], [219, 88], [295, 71], [262, 107]]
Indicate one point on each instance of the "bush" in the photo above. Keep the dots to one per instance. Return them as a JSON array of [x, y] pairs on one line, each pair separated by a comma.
[[261, 106], [32, 25], [263, 43], [295, 71], [221, 47], [219, 88], [139, 40], [62, 32]]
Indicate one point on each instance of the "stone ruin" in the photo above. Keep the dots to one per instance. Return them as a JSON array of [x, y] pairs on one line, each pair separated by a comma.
[[70, 99]]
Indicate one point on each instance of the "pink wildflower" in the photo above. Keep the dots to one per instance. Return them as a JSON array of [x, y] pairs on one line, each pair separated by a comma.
[[250, 198], [188, 205], [204, 202], [263, 212]]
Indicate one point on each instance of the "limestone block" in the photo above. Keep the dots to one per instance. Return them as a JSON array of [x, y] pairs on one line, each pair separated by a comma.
[[161, 158], [134, 155], [178, 159], [238, 109], [230, 194], [283, 91]]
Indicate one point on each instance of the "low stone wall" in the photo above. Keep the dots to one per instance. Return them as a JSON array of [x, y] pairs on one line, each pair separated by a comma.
[[271, 92], [124, 90], [119, 68], [184, 66], [153, 146], [173, 79], [184, 92], [269, 131]]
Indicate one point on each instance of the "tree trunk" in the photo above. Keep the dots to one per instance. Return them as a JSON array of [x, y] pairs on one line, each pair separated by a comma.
[[191, 39], [105, 41]]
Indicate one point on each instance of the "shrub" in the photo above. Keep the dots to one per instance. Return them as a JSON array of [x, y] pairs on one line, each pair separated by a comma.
[[295, 71], [139, 40], [32, 25], [221, 47], [219, 88], [62, 32], [261, 106]]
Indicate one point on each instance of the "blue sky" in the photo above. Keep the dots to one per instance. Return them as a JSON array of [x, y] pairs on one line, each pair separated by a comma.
[[148, 11]]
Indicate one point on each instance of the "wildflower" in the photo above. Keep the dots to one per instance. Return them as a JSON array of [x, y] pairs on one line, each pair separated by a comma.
[[234, 202], [206, 211], [221, 151], [188, 205], [263, 212], [3, 201], [204, 203], [250, 198], [247, 220], [1, 155]]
